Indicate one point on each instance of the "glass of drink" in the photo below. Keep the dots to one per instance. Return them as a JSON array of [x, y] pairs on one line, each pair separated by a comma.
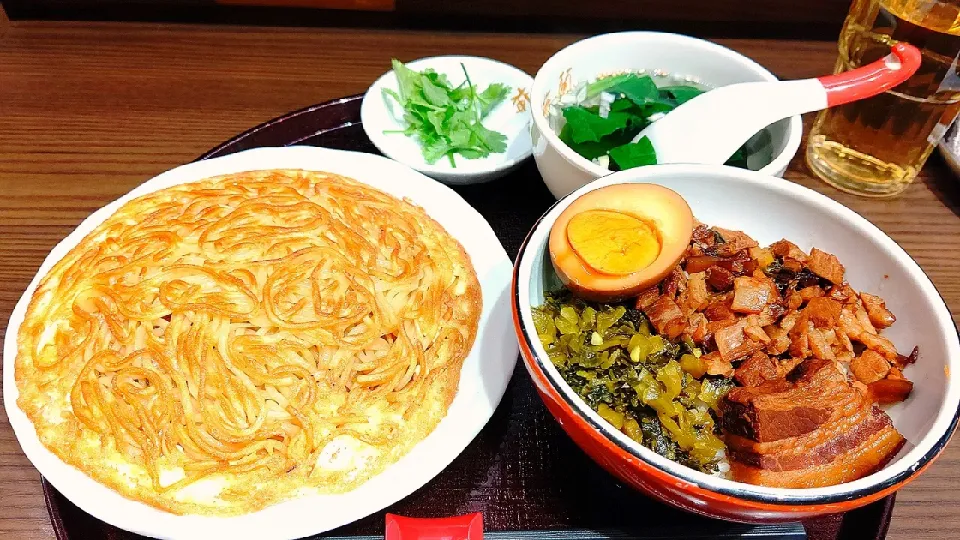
[[876, 146]]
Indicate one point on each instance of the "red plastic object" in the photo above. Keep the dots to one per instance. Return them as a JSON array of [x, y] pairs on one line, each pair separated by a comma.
[[466, 527], [873, 78]]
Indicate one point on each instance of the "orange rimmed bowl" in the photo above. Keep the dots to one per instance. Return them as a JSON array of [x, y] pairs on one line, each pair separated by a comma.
[[768, 209]]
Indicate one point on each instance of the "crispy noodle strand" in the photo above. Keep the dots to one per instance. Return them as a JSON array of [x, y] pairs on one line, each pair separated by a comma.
[[237, 328]]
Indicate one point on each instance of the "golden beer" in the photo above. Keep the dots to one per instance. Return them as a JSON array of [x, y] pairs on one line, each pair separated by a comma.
[[876, 146]]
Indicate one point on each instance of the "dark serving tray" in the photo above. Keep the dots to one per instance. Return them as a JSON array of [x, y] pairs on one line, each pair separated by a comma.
[[522, 472]]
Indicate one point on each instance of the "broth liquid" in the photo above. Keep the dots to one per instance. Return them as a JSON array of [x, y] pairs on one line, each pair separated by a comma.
[[877, 146]]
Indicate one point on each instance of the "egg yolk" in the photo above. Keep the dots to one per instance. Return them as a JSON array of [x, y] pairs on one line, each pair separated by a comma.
[[613, 242]]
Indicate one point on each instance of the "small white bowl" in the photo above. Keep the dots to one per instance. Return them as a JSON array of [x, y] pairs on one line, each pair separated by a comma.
[[512, 118], [654, 53]]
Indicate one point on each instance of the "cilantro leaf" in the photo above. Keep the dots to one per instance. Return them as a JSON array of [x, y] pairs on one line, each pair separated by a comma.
[[471, 153], [446, 120], [438, 79], [633, 154], [435, 150], [438, 120], [434, 94], [491, 97], [460, 137], [495, 142], [494, 93], [407, 78]]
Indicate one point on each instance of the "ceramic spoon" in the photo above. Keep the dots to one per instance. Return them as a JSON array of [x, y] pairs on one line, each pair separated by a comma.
[[712, 126]]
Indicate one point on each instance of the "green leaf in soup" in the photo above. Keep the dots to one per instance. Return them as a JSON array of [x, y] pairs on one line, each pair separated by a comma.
[[601, 85], [635, 154], [595, 149], [584, 125], [681, 94], [659, 105], [642, 112], [639, 90], [621, 105]]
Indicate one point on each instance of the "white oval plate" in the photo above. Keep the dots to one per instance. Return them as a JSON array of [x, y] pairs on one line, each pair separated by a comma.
[[377, 115], [483, 378]]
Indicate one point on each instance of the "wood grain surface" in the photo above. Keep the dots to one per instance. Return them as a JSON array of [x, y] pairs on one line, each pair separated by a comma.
[[811, 19], [88, 111]]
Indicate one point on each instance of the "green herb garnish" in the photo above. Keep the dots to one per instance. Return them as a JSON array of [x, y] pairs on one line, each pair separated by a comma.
[[447, 120], [637, 99]]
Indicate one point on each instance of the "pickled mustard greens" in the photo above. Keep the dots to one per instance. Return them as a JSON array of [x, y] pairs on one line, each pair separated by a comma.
[[652, 390]]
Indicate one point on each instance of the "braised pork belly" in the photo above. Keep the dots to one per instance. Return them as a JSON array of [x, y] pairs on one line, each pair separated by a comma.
[[804, 348]]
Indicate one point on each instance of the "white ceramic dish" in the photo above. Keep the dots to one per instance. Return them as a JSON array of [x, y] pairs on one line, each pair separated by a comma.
[[483, 379], [512, 118], [655, 53], [769, 210]]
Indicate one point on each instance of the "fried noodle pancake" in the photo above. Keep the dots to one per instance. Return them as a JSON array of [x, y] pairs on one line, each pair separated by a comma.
[[220, 346]]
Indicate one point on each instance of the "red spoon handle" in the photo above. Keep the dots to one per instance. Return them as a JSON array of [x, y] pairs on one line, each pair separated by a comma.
[[874, 78], [466, 527]]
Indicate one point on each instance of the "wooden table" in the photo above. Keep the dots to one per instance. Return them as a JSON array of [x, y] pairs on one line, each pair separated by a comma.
[[88, 111]]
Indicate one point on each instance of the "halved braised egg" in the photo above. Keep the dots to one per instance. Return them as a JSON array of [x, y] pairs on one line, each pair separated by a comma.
[[616, 241]]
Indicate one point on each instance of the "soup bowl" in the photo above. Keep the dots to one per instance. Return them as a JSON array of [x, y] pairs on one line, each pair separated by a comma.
[[768, 210], [678, 58]]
